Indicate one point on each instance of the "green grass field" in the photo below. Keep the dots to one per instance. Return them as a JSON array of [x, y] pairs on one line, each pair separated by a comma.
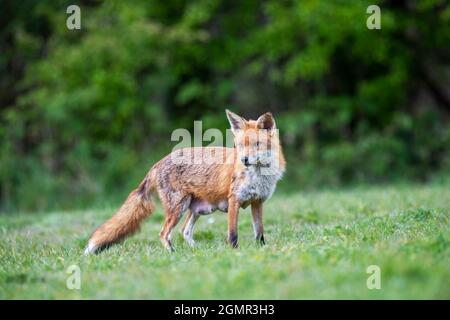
[[319, 245]]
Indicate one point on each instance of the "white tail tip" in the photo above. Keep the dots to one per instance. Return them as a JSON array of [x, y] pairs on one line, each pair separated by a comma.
[[91, 248]]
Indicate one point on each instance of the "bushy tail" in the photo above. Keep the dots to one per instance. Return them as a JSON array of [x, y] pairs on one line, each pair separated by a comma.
[[126, 221]]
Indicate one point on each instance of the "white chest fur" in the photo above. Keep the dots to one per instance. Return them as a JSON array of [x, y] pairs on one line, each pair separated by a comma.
[[256, 184]]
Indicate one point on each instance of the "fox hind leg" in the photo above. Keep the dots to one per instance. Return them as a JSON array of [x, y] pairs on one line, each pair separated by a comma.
[[165, 235], [185, 222], [188, 228], [172, 217]]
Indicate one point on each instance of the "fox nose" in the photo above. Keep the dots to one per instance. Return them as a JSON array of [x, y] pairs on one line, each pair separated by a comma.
[[244, 160]]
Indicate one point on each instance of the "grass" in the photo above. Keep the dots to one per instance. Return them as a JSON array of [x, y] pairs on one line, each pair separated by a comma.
[[319, 246]]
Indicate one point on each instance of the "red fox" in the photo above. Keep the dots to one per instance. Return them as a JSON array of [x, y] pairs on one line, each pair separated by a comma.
[[244, 175]]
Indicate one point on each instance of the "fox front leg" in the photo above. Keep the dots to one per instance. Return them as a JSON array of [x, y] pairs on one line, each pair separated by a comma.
[[233, 212], [258, 226]]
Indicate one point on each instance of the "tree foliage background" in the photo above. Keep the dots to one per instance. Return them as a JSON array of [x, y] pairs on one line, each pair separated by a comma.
[[84, 113]]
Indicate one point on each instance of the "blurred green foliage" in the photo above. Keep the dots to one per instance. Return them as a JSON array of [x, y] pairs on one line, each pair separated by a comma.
[[84, 113]]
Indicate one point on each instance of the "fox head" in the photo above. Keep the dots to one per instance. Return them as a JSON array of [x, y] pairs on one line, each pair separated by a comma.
[[256, 141]]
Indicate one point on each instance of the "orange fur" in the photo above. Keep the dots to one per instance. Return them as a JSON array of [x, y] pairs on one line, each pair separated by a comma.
[[199, 187], [125, 222]]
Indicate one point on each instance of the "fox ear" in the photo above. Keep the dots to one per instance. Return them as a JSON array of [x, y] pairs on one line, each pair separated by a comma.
[[266, 121], [236, 122]]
